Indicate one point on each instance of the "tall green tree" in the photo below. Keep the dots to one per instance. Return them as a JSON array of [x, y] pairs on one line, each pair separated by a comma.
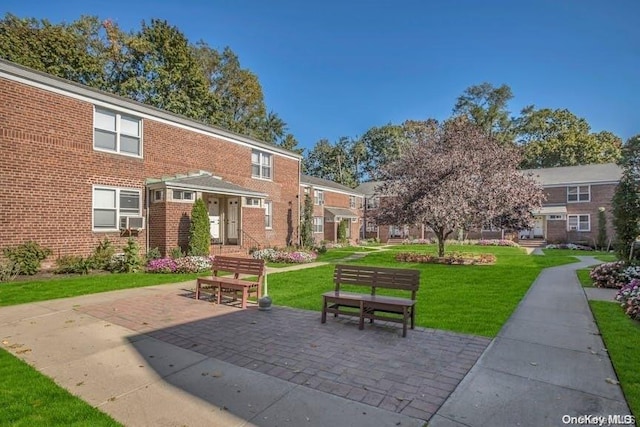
[[71, 51], [377, 147], [486, 106], [332, 161], [199, 230], [552, 138], [626, 200]]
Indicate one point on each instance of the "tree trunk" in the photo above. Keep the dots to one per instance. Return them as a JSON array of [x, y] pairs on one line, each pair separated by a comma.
[[440, 236]]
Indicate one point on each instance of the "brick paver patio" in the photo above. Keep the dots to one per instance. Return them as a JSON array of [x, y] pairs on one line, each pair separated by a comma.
[[412, 375]]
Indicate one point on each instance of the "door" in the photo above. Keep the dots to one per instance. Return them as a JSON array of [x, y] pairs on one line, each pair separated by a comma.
[[538, 226], [214, 219], [232, 219]]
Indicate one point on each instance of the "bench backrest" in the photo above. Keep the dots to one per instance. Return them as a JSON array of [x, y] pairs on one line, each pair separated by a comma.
[[377, 277], [237, 266]]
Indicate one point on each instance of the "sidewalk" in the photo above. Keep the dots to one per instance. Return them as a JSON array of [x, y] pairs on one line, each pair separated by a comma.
[[547, 361]]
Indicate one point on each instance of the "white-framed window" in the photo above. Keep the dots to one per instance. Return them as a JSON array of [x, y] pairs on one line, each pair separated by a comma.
[[578, 193], [372, 227], [183, 195], [110, 203], [371, 202], [580, 222], [261, 164], [268, 214], [158, 195], [306, 190], [352, 202], [555, 217], [253, 202], [117, 133], [318, 197], [318, 224]]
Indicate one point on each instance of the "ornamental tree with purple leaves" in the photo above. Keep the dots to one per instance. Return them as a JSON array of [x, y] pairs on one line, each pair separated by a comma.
[[454, 176]]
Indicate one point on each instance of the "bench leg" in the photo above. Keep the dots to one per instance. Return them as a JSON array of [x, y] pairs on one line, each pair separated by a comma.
[[219, 295], [405, 315], [245, 295], [361, 323], [197, 290], [323, 319], [413, 317]]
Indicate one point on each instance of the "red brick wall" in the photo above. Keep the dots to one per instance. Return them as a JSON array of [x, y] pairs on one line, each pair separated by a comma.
[[253, 220], [48, 168]]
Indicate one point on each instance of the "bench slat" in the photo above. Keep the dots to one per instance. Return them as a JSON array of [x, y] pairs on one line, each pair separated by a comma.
[[236, 266]]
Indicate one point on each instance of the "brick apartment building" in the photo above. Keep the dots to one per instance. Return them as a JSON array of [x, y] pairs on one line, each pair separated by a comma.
[[79, 165], [574, 196], [332, 204]]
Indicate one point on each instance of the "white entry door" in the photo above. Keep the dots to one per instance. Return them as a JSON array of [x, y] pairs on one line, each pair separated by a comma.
[[232, 217], [538, 226], [214, 218]]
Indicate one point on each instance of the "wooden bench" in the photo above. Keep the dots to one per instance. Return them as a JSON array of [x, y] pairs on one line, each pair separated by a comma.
[[233, 284], [369, 306]]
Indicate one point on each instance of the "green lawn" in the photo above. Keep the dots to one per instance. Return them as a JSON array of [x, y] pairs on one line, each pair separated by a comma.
[[41, 290], [601, 255], [471, 299], [28, 398], [621, 336], [583, 277]]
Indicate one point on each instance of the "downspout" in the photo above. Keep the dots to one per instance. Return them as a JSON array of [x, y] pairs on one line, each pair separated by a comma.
[[146, 231], [299, 201]]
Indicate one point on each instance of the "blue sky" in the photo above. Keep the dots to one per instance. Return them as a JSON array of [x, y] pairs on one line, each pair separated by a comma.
[[335, 68]]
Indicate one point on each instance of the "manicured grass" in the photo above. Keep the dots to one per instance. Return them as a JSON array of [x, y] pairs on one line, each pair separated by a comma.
[[606, 257], [45, 289], [28, 398], [583, 277], [601, 255], [470, 299], [621, 336]]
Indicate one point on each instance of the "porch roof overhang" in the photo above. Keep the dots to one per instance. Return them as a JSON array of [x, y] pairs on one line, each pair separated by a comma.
[[340, 213], [551, 210], [208, 183]]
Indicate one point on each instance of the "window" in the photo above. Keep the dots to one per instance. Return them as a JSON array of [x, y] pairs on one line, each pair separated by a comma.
[[579, 222], [253, 201], [268, 214], [578, 193], [183, 195], [371, 202], [260, 164], [352, 202], [117, 132], [111, 203], [318, 224], [306, 190], [318, 197], [158, 195], [371, 227]]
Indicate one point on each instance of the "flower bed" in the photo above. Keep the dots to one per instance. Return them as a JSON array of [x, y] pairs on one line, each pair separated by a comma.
[[497, 242], [452, 258], [289, 257], [481, 242], [188, 264], [570, 246], [609, 275], [629, 298]]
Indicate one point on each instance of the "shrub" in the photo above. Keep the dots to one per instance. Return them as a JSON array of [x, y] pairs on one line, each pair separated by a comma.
[[102, 255], [417, 242], [342, 231], [199, 230], [497, 242], [571, 246], [8, 271], [73, 264], [28, 257], [127, 262], [153, 254], [629, 298], [609, 275], [457, 258], [176, 253]]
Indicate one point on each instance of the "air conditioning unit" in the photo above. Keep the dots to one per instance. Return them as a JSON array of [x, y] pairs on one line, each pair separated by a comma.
[[573, 227], [131, 222]]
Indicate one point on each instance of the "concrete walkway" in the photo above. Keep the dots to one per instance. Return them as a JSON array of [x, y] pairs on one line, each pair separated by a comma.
[[548, 361]]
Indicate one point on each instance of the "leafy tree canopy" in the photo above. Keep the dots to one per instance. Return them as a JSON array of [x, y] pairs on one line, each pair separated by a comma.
[[551, 138]]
